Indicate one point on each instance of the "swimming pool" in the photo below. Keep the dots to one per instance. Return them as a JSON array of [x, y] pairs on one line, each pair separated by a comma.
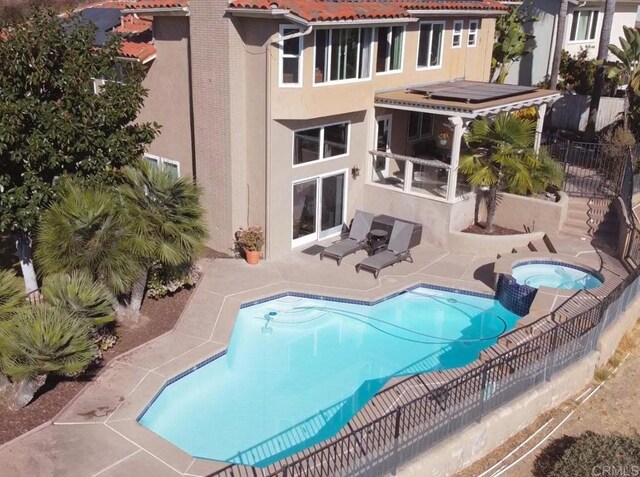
[[555, 275], [298, 368]]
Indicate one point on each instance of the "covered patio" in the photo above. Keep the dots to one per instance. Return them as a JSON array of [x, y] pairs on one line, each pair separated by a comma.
[[420, 130]]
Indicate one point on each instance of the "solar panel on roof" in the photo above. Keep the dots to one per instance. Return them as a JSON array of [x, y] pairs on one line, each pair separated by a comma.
[[472, 91], [104, 19]]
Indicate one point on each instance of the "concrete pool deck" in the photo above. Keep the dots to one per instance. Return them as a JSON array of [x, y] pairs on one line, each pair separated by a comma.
[[97, 433]]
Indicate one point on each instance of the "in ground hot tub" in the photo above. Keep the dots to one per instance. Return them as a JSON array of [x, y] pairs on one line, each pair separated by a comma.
[[555, 275]]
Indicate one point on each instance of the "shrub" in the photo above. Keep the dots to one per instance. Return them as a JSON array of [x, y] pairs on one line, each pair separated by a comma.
[[79, 295], [615, 147], [39, 341], [12, 296], [164, 280], [578, 74], [583, 454]]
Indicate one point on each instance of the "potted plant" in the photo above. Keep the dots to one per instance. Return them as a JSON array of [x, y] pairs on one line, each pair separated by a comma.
[[250, 241]]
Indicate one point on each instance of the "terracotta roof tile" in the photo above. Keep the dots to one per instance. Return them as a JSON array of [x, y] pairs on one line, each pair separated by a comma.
[[335, 10], [141, 4], [133, 24], [140, 51]]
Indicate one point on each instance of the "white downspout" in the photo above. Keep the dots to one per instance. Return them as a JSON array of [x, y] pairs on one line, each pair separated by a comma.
[[275, 38]]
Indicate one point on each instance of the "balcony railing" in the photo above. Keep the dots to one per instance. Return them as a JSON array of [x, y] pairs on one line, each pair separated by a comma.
[[415, 175]]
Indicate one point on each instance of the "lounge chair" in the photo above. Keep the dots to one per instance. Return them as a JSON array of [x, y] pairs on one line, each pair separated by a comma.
[[357, 239], [397, 250]]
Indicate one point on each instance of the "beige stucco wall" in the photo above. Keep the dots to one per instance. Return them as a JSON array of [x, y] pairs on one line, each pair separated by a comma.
[[436, 217], [542, 215], [244, 121], [310, 101], [168, 103], [283, 174]]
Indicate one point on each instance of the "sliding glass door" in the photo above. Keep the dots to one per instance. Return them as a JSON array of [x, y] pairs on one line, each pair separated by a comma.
[[318, 207]]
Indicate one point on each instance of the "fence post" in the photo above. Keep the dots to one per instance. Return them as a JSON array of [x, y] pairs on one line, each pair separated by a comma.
[[285, 470], [483, 388], [551, 355], [396, 443]]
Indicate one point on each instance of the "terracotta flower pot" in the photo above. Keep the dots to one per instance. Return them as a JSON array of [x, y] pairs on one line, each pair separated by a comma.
[[252, 256]]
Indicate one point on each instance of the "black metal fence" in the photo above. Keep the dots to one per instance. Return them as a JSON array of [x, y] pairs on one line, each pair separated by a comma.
[[589, 171], [525, 357]]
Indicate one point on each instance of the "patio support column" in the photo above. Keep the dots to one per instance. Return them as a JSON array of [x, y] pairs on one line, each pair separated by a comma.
[[459, 128], [408, 176], [542, 111]]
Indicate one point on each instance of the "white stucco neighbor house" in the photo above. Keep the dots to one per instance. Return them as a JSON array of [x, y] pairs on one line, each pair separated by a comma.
[[584, 24]]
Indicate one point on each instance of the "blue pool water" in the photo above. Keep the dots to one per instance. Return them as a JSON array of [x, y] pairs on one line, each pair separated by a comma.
[[554, 275], [297, 369]]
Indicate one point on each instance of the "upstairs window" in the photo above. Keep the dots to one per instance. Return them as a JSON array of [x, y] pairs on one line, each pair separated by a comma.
[[430, 47], [456, 38], [172, 166], [420, 125], [290, 58], [472, 39], [584, 25], [343, 54], [316, 144], [389, 55]]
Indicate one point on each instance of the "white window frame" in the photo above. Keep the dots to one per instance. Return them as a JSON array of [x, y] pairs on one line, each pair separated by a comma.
[[420, 136], [441, 53], [315, 237], [576, 13], [282, 56], [457, 34], [163, 160], [331, 82], [403, 35], [321, 145], [473, 30]]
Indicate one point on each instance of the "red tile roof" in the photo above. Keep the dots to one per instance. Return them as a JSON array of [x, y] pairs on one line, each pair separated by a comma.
[[329, 10], [143, 4], [140, 51]]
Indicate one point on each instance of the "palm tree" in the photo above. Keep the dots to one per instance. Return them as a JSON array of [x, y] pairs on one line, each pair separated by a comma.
[[80, 295], [12, 296], [502, 157], [86, 230], [167, 217], [627, 67], [557, 52], [598, 84], [39, 341]]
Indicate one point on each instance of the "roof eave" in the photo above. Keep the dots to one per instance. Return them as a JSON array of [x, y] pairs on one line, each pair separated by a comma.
[[454, 12], [267, 13], [164, 11]]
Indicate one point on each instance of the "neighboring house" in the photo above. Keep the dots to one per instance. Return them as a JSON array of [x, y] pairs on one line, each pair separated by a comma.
[[160, 42], [299, 112], [583, 27]]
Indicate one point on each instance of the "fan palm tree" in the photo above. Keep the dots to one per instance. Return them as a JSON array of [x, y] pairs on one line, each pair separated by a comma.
[[627, 67], [502, 157], [86, 230], [80, 295], [167, 217], [12, 296], [39, 341]]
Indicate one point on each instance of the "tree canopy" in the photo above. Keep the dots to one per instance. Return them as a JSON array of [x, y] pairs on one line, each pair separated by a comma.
[[512, 43], [52, 122]]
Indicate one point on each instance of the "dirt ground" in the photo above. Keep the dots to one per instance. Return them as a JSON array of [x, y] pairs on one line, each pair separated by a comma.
[[497, 230], [612, 405]]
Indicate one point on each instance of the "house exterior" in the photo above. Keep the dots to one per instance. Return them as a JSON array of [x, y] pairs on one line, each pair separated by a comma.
[[582, 31], [292, 115]]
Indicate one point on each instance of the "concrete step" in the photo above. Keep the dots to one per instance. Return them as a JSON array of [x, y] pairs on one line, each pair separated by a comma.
[[539, 246], [575, 231]]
